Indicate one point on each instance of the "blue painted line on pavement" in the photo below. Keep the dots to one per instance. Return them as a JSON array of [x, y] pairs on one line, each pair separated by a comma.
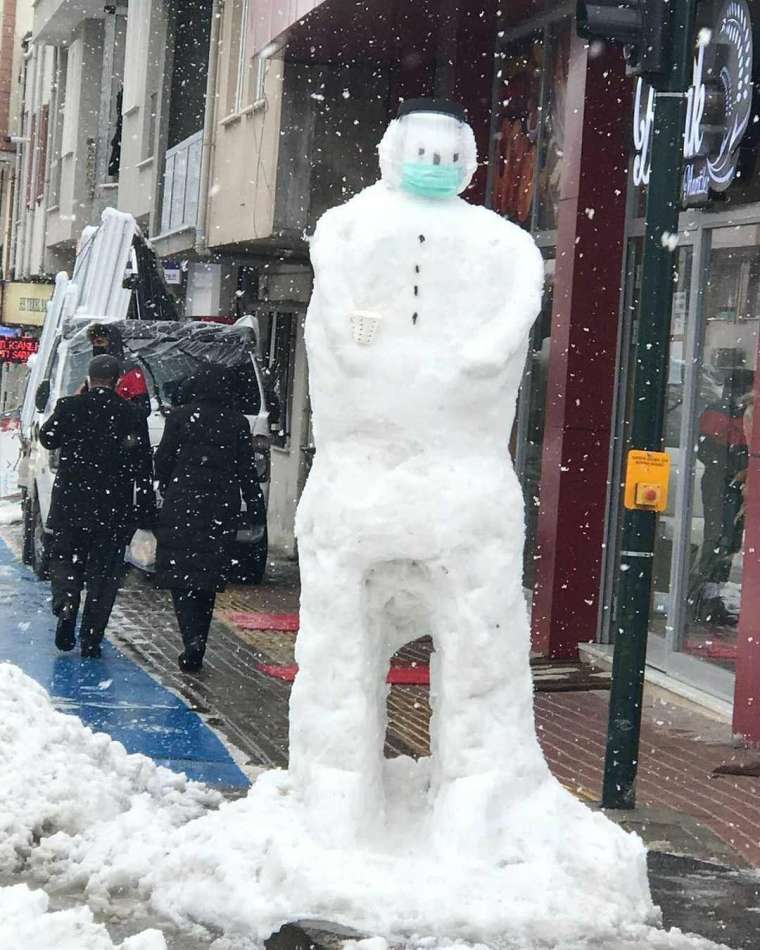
[[112, 694]]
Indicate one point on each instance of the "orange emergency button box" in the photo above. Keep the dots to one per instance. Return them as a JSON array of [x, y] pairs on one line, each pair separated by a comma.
[[646, 480]]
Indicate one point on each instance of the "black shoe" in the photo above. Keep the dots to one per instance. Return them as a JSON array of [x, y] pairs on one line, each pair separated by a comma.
[[65, 633], [191, 664], [715, 612], [91, 651]]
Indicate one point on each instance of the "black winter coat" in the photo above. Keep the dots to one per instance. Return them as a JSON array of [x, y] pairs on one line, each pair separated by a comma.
[[204, 462], [104, 455]]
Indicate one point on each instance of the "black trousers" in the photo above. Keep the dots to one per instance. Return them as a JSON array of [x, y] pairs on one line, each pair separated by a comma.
[[94, 559], [723, 528], [194, 609]]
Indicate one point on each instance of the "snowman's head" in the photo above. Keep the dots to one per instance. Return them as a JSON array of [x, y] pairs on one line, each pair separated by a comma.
[[429, 150]]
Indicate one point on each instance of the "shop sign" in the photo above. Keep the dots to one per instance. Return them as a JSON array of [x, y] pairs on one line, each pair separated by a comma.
[[718, 109], [172, 273], [17, 349], [26, 304]]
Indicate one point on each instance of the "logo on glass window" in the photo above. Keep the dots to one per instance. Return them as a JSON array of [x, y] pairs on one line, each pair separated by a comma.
[[719, 105]]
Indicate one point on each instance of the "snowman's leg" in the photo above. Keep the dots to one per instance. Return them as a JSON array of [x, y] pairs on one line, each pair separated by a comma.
[[482, 730], [337, 706]]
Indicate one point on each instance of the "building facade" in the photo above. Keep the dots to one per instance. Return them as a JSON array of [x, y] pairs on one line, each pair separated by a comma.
[[556, 97]]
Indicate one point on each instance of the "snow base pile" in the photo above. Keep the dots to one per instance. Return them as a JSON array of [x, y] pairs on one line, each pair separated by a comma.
[[25, 924], [254, 865], [77, 811]]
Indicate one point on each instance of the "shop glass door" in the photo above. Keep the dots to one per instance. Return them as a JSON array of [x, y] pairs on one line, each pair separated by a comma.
[[724, 367]]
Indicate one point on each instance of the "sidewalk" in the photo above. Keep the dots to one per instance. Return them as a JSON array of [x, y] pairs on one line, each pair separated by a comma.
[[704, 830], [682, 805], [113, 694]]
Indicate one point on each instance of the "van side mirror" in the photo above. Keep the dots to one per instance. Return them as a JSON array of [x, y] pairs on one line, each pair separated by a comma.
[[42, 395], [131, 282]]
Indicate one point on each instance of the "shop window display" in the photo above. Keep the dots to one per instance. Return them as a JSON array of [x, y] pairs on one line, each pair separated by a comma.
[[534, 393], [529, 139], [519, 102], [552, 139], [527, 160], [722, 431]]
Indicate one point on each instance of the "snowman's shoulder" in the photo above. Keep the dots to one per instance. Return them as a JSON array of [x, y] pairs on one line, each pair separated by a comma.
[[495, 228], [341, 222], [506, 239]]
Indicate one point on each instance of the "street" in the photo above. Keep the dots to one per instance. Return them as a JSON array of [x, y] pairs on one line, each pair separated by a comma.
[[224, 727]]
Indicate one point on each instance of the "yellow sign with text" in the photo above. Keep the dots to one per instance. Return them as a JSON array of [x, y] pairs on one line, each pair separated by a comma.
[[647, 478], [25, 303]]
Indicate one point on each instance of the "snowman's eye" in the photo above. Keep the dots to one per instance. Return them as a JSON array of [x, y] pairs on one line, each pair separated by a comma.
[[456, 156], [420, 151]]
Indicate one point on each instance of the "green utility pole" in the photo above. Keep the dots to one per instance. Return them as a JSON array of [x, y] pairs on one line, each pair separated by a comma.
[[635, 580]]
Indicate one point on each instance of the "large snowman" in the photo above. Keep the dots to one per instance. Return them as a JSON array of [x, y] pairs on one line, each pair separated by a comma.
[[412, 523]]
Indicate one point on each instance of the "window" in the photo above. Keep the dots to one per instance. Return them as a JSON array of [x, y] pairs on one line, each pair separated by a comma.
[[280, 366], [257, 84], [30, 161], [58, 107], [42, 154], [151, 125], [237, 65]]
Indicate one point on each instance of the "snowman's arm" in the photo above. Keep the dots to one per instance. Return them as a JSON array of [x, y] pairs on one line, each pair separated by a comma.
[[505, 332], [335, 306]]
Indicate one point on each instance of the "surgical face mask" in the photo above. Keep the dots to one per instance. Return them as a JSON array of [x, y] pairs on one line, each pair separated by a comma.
[[432, 181], [100, 350]]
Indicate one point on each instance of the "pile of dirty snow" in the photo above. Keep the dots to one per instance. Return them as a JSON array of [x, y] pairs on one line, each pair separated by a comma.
[[72, 801], [77, 811], [26, 924]]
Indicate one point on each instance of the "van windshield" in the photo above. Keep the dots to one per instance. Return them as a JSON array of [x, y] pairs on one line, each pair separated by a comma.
[[170, 354]]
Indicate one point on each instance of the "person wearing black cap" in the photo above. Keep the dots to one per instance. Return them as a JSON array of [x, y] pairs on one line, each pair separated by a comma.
[[94, 508], [106, 340]]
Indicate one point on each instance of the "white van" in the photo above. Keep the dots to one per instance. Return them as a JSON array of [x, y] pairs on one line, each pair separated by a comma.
[[116, 278]]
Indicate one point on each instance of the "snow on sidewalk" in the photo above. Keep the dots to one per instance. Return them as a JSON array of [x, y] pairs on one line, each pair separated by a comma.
[[26, 924], [72, 801], [76, 811]]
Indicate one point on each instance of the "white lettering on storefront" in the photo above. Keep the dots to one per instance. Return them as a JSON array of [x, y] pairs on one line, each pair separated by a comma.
[[643, 124], [695, 109], [712, 164]]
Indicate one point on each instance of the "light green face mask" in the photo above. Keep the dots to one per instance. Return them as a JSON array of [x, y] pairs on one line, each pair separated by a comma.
[[431, 181]]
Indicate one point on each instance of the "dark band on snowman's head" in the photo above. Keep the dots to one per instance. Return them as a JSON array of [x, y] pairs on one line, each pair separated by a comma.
[[436, 106]]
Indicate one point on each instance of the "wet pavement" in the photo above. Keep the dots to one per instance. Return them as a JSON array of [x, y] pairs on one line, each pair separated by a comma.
[[720, 903], [113, 694]]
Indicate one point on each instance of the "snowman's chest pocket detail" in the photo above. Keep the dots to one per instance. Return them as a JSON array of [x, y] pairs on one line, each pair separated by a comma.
[[364, 326]]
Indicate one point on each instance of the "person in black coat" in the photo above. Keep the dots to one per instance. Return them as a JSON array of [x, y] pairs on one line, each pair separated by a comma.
[[102, 491], [203, 464]]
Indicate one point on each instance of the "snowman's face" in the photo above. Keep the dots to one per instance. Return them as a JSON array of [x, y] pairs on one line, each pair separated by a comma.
[[428, 154]]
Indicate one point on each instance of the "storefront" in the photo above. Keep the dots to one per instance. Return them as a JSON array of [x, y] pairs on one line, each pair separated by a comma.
[[706, 569], [23, 312]]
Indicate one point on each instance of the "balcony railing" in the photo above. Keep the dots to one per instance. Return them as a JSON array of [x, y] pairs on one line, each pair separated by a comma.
[[181, 183]]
